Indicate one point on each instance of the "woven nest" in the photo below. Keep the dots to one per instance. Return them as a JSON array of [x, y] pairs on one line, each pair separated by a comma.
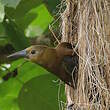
[[86, 23]]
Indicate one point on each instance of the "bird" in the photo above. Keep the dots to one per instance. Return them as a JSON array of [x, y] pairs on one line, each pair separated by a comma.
[[60, 60]]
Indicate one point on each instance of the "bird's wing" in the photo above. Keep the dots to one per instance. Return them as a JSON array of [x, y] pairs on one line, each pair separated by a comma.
[[70, 64]]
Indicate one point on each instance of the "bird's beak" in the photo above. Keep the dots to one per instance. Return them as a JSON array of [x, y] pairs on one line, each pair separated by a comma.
[[19, 54]]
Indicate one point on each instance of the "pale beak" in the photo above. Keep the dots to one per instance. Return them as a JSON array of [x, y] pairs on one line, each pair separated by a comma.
[[19, 54]]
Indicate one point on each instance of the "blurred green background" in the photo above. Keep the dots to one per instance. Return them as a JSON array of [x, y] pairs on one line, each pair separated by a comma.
[[27, 86]]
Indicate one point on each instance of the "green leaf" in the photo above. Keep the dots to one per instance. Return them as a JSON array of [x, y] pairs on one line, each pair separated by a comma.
[[52, 5], [2, 31], [35, 18], [23, 7], [2, 12], [40, 93], [3, 37], [38, 26], [10, 3], [9, 90], [31, 70], [3, 42], [26, 20], [15, 35], [8, 94]]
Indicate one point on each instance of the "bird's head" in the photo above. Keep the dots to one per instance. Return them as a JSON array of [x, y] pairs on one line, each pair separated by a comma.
[[43, 54], [32, 53]]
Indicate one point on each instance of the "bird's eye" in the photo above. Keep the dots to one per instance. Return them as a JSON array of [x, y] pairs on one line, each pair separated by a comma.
[[33, 51]]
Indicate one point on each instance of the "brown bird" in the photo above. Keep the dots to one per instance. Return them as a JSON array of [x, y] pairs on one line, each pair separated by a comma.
[[60, 61]]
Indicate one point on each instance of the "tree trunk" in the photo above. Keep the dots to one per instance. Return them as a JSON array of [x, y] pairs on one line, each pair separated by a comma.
[[86, 24]]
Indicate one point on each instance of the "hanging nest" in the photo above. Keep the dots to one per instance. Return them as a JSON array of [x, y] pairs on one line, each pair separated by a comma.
[[86, 24]]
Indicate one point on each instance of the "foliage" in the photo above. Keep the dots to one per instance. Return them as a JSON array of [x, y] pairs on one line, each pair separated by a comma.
[[32, 87]]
